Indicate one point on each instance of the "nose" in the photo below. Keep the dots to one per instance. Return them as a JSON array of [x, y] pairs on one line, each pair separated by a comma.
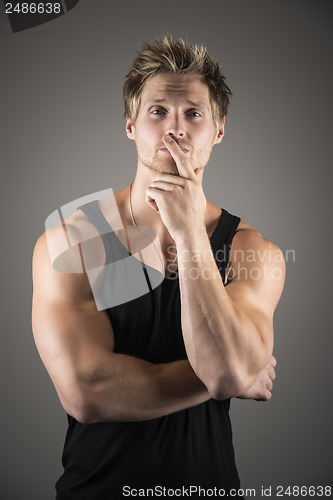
[[175, 127]]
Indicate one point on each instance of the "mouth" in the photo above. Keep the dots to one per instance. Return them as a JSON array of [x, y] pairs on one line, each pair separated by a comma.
[[165, 150]]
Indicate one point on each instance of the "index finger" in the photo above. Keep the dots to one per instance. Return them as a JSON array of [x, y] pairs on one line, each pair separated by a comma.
[[183, 164]]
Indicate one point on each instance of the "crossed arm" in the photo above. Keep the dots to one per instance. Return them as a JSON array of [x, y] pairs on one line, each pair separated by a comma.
[[228, 330], [76, 345]]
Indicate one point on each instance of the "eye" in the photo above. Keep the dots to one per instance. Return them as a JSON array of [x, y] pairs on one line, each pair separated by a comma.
[[193, 113], [157, 111]]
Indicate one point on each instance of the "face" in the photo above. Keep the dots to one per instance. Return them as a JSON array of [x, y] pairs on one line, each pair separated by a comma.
[[177, 104]]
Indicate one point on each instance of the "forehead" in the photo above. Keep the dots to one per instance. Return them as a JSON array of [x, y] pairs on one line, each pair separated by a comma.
[[177, 88]]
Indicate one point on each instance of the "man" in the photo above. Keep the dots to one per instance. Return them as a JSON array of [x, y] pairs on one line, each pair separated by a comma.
[[147, 383]]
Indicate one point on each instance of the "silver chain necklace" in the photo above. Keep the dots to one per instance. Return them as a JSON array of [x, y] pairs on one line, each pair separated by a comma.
[[147, 235]]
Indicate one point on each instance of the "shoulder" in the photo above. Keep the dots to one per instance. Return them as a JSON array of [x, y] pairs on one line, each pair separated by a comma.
[[61, 258], [69, 245], [58, 273], [256, 261], [249, 241]]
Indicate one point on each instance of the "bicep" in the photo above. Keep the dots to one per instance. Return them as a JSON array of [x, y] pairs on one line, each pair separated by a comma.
[[258, 273], [71, 335]]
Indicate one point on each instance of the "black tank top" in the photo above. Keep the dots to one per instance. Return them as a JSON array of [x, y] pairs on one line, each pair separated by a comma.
[[192, 447]]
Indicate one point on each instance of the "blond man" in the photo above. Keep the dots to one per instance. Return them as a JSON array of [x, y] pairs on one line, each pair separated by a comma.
[[147, 382]]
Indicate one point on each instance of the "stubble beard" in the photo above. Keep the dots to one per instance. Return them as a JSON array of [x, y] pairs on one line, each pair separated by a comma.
[[167, 165], [157, 164]]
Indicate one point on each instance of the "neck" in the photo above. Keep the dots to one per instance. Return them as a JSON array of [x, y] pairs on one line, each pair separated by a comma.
[[144, 215]]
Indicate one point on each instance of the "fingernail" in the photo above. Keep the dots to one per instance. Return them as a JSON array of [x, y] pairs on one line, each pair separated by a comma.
[[168, 138]]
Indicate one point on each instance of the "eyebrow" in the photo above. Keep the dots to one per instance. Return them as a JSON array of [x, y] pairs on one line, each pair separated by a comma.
[[157, 100]]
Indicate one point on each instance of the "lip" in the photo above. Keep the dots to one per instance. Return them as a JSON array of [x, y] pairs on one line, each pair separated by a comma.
[[185, 150]]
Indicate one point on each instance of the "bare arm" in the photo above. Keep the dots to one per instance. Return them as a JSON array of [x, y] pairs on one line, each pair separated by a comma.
[[228, 330], [76, 344]]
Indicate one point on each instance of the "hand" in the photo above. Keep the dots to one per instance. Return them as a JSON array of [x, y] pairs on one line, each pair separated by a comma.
[[261, 389], [180, 199]]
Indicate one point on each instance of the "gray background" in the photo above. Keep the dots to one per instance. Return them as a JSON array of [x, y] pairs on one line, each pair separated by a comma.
[[63, 137]]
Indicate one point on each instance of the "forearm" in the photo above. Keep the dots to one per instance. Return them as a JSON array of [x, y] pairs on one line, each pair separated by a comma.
[[222, 344], [130, 389]]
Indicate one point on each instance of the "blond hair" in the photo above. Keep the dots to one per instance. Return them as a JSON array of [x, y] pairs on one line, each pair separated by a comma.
[[179, 57]]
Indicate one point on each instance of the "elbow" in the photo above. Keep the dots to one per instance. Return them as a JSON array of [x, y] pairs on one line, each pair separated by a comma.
[[88, 410], [78, 407], [226, 386], [231, 383], [83, 415], [236, 380]]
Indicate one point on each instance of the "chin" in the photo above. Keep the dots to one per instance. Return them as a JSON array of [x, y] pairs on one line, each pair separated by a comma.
[[163, 167], [171, 173]]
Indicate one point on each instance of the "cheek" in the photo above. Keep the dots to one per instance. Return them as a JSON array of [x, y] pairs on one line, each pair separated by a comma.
[[207, 144], [149, 130]]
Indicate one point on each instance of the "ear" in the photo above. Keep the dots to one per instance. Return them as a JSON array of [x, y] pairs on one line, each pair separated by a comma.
[[130, 129], [220, 132]]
